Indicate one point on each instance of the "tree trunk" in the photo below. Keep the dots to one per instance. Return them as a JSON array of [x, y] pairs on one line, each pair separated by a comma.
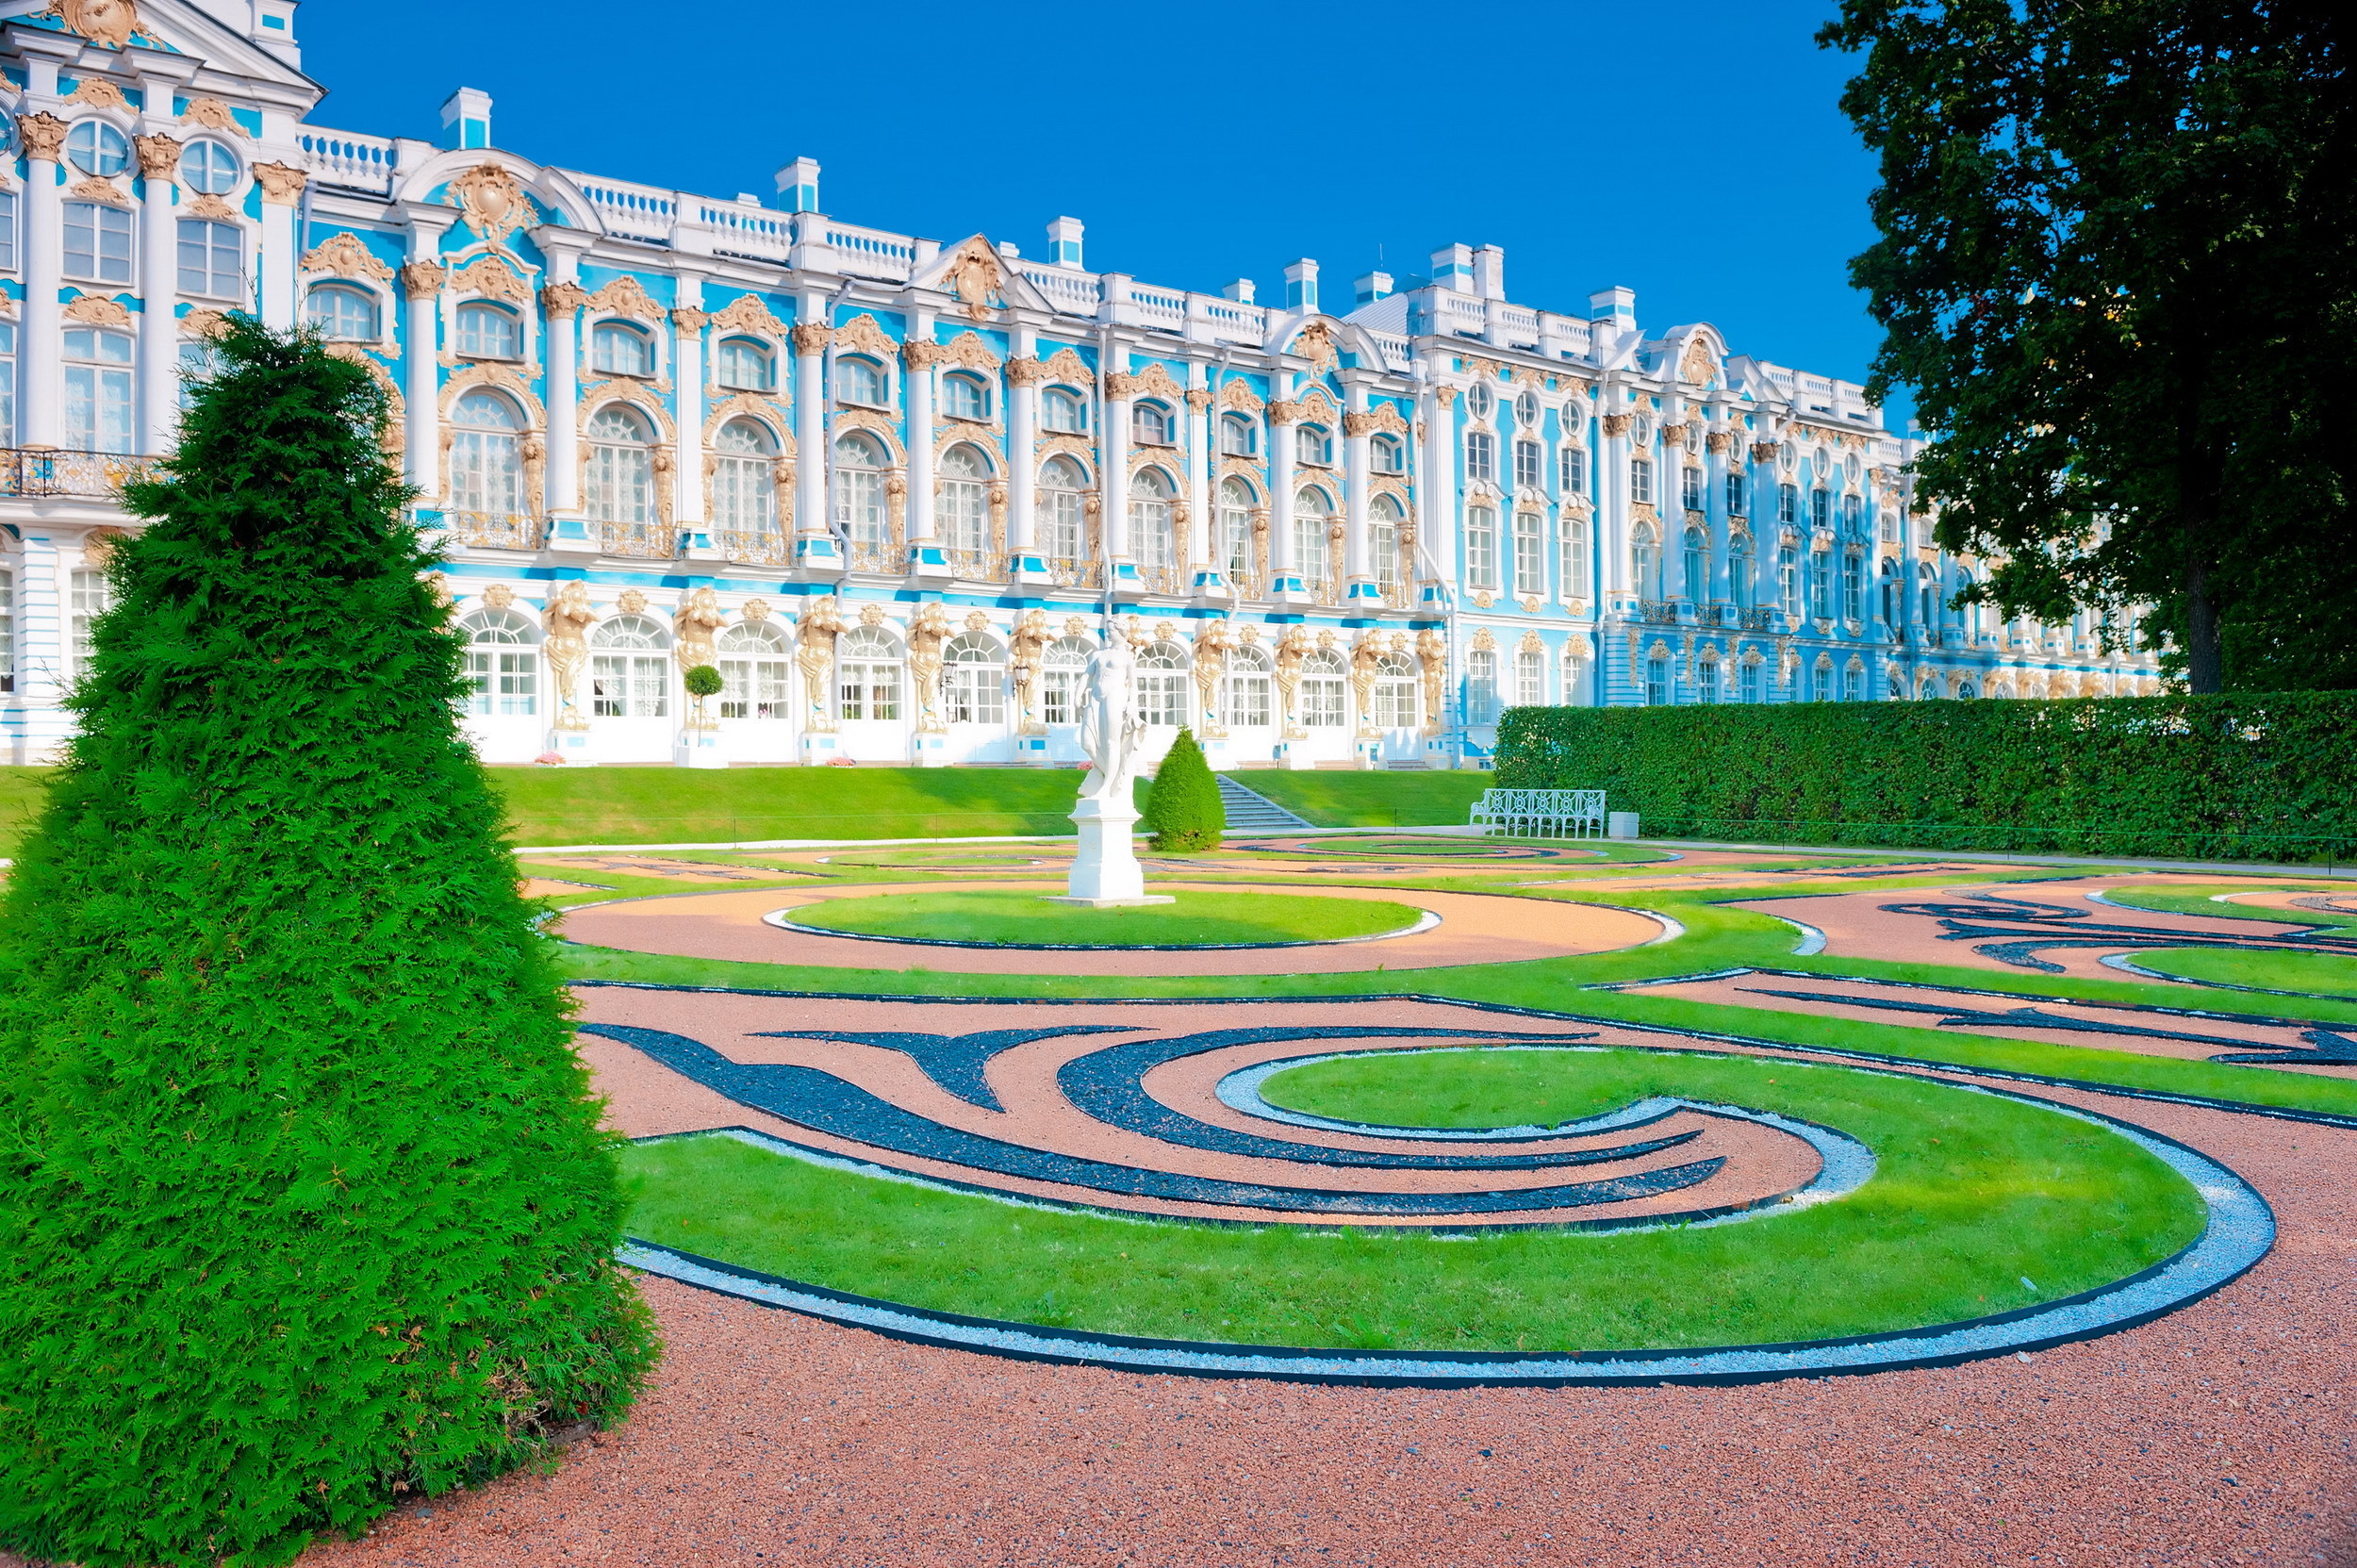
[[2204, 675]]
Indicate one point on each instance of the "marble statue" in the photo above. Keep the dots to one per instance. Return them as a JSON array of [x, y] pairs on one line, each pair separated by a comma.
[[1105, 870]]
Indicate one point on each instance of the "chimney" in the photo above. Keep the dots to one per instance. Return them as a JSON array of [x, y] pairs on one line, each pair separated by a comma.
[[1489, 264], [1241, 290], [1064, 241], [1301, 284], [1617, 305], [467, 119], [1374, 287], [797, 183], [1453, 269]]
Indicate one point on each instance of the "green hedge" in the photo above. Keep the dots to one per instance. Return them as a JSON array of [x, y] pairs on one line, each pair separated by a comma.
[[2239, 777]]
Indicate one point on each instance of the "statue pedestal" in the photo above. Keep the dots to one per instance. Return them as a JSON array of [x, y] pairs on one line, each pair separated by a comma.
[[1105, 872]]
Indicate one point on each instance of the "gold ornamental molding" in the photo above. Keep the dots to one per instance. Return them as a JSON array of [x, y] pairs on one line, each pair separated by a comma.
[[44, 136], [159, 155], [626, 296], [1315, 343], [1236, 394], [1067, 368], [1698, 364], [745, 313], [968, 350], [1064, 443], [99, 92], [768, 413], [98, 310], [976, 276], [344, 255], [863, 333], [492, 200], [97, 189], [210, 206], [494, 279], [423, 279], [877, 425], [214, 115], [282, 185]]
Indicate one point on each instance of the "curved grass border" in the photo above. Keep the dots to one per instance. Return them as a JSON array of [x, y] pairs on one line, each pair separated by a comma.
[[2240, 1230], [1425, 920]]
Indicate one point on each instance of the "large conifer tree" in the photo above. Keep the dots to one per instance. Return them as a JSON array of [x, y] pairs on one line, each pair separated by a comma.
[[304, 1199]]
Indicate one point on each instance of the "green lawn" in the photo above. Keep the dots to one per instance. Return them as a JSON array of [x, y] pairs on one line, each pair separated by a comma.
[[1333, 798], [1022, 915], [2197, 900], [2331, 974], [1972, 1193], [20, 800]]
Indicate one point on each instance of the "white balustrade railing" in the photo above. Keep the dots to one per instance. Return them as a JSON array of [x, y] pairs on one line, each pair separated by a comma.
[[1233, 322], [741, 230], [354, 162], [1160, 307], [1073, 293], [630, 211], [872, 253], [1393, 347]]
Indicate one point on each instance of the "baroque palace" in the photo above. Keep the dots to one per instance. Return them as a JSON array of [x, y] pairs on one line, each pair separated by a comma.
[[890, 486]]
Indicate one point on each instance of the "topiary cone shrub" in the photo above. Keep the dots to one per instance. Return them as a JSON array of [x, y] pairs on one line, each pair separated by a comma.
[[304, 1198], [1182, 807]]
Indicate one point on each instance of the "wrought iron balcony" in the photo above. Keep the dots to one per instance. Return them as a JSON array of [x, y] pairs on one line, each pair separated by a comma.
[[767, 547], [43, 471], [646, 541], [1657, 612], [494, 530]]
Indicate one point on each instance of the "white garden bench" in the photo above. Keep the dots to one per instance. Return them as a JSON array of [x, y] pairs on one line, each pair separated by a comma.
[[1540, 813]]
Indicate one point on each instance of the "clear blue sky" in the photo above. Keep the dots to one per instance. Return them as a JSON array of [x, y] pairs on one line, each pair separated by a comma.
[[1694, 153]]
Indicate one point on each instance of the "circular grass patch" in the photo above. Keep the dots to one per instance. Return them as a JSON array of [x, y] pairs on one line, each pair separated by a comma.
[[1022, 918]]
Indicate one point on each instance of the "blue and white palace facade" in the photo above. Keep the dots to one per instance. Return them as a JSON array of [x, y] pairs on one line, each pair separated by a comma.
[[891, 485]]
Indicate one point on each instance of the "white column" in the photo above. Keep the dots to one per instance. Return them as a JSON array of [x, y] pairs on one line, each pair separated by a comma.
[[1113, 481], [421, 282], [1284, 567], [561, 302], [1715, 460], [159, 338], [1436, 481], [1022, 394], [1199, 513], [810, 431], [281, 188], [40, 398], [688, 376], [918, 356], [1356, 451], [1612, 487]]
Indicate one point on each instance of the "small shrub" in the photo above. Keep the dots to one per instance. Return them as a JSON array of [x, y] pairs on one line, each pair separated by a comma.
[[1182, 807], [702, 681]]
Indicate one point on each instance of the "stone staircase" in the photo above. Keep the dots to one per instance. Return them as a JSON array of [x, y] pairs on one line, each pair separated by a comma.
[[1250, 813]]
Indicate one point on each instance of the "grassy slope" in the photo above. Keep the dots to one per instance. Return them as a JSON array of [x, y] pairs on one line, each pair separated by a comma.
[[1336, 799], [670, 805], [1972, 1193], [1025, 918]]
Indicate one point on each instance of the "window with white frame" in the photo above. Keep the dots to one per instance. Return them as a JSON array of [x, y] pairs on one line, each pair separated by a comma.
[[487, 473], [1854, 685], [1313, 444], [1821, 510], [97, 148], [974, 679], [1481, 456], [1707, 681], [1248, 697], [1314, 518], [1064, 667], [97, 242], [97, 390], [1789, 582], [964, 397], [867, 676], [1384, 519], [1387, 454], [1788, 505], [1163, 684], [1394, 693], [1479, 400], [1575, 564], [1747, 681], [621, 467], [8, 231], [628, 670], [1640, 481], [1697, 566], [1530, 570], [1576, 692], [963, 511], [212, 258], [1234, 544], [1526, 410], [489, 332], [1063, 509], [89, 595], [756, 678], [1150, 423], [860, 511], [1530, 465], [746, 365], [1691, 488], [8, 631], [1481, 686], [340, 312], [198, 363], [8, 383], [1481, 547], [1530, 678], [1645, 555], [503, 664], [209, 168], [861, 381], [617, 347], [744, 479], [1853, 586], [1573, 462], [1928, 575], [1657, 682], [1740, 571], [1064, 410], [1736, 506], [1153, 536], [1890, 528], [1821, 682], [1820, 586], [1640, 431], [1238, 436], [1322, 691], [1965, 691]]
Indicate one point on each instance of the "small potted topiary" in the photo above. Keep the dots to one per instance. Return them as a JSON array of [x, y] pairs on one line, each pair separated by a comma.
[[702, 681], [1182, 807]]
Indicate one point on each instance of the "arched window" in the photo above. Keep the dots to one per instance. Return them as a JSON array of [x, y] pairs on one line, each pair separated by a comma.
[[209, 168], [1707, 681], [756, 681], [860, 511], [97, 148], [746, 365], [212, 258], [1531, 678], [963, 510], [617, 347], [1152, 538], [1312, 516], [486, 474], [1061, 666], [1062, 510], [974, 670], [1965, 691], [1531, 570], [1162, 683], [1853, 516], [1646, 550], [1063, 409], [1481, 686], [867, 675], [1238, 435], [1313, 444], [1852, 586], [1249, 698], [97, 390], [964, 397], [861, 381], [1740, 571], [1931, 688], [502, 671], [1324, 680], [1697, 566], [1386, 455], [1394, 693], [1383, 522], [744, 479], [1481, 547], [489, 332], [621, 467], [342, 312], [1236, 555], [629, 671], [1150, 424]]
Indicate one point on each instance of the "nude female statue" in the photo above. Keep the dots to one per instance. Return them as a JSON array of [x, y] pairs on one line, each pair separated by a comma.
[[1110, 727]]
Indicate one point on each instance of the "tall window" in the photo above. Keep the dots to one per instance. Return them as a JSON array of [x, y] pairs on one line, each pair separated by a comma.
[[1645, 551], [1394, 693], [486, 469], [87, 597], [198, 363], [629, 672], [1387, 454], [503, 668], [1481, 686], [212, 259], [1482, 455], [1062, 409], [1312, 516], [747, 366], [334, 310], [1821, 509], [489, 332], [97, 390], [1235, 534], [1853, 586], [1691, 488], [8, 631], [1531, 569], [1313, 444], [1890, 528], [1322, 688], [860, 511], [1575, 690], [1481, 546], [1573, 462], [1820, 586], [1248, 699], [756, 679], [1852, 516], [964, 397], [1787, 504], [1529, 464], [1748, 681], [1707, 681], [1640, 481], [8, 383], [1854, 685], [860, 381], [1163, 684], [744, 480], [618, 349], [1697, 566], [97, 242], [8, 231], [1576, 567], [1657, 682], [973, 681], [1739, 572], [1236, 436], [1383, 522], [1063, 669], [1531, 678], [209, 168], [1788, 583], [963, 515], [1929, 576], [1735, 491], [867, 675], [1821, 684], [1152, 537], [1150, 424], [621, 469], [1062, 499]]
